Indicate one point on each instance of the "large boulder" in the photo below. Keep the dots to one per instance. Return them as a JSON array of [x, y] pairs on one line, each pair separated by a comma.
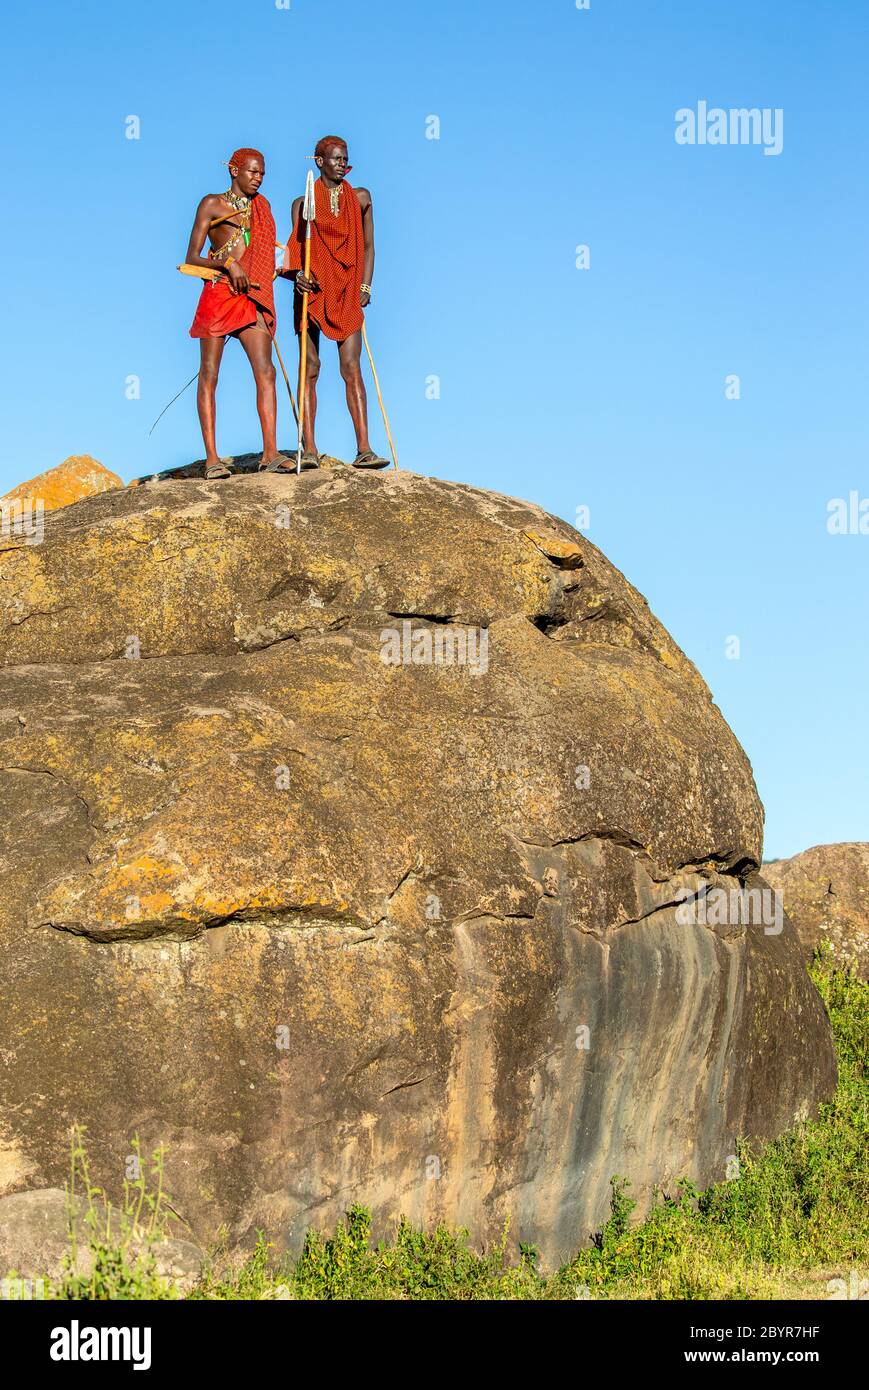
[[825, 891], [77, 477], [337, 918]]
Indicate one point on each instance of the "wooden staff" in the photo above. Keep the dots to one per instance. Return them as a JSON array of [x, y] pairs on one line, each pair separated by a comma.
[[309, 212], [379, 397], [284, 374], [201, 272], [227, 217]]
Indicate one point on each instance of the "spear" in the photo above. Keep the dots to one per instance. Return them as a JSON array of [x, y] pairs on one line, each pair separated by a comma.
[[309, 212]]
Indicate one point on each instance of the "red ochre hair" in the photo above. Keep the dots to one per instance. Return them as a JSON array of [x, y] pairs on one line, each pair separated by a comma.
[[322, 147], [240, 156]]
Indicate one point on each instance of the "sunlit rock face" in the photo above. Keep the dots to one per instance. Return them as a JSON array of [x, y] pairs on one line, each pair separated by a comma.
[[355, 832]]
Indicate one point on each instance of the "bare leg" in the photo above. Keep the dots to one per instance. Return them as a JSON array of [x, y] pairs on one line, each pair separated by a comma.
[[311, 376], [349, 353], [257, 343], [211, 352]]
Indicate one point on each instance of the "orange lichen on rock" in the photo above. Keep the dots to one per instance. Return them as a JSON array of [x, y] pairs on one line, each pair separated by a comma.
[[564, 552], [78, 476]]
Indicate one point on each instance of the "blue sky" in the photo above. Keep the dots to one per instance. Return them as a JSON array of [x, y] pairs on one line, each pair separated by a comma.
[[602, 388]]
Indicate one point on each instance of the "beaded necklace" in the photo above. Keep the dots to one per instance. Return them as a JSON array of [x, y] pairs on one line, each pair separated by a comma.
[[241, 204]]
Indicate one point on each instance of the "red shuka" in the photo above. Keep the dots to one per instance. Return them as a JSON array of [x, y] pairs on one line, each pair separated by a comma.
[[219, 311], [337, 263]]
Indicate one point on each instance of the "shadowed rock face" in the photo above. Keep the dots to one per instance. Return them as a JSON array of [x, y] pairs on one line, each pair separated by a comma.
[[826, 894], [334, 929]]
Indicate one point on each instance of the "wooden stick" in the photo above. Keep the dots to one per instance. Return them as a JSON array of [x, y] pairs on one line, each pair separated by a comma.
[[286, 378], [202, 273], [303, 351], [216, 221], [379, 396], [172, 402]]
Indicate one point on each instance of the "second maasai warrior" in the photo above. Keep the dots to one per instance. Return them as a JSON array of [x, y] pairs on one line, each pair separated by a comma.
[[240, 304], [342, 266]]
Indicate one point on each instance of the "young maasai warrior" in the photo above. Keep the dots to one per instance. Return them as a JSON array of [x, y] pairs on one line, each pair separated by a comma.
[[241, 303], [342, 266]]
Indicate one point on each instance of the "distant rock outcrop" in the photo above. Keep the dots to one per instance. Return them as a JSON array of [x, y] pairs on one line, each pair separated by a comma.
[[826, 895], [347, 823], [78, 476]]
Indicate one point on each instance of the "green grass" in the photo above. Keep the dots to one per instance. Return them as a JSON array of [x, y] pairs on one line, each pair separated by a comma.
[[796, 1215]]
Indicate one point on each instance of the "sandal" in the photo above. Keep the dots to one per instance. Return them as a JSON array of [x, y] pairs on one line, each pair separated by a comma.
[[281, 463], [217, 470], [310, 459], [369, 460]]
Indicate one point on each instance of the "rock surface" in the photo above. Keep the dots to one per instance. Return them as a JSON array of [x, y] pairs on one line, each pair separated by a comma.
[[334, 929], [77, 477], [245, 464], [825, 891]]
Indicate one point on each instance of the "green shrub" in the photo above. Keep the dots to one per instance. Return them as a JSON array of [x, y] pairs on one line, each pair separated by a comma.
[[119, 1240]]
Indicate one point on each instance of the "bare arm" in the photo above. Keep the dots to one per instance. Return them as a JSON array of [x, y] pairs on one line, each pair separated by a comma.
[[366, 203], [212, 206], [294, 219]]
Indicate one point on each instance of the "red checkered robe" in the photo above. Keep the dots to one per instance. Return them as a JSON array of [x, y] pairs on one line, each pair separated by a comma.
[[219, 311], [337, 263]]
